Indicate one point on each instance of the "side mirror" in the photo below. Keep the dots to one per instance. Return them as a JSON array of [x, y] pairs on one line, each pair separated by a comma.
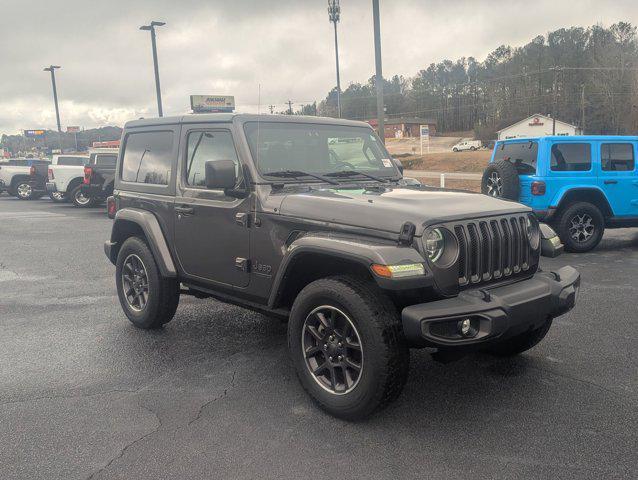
[[220, 174], [398, 164], [551, 245]]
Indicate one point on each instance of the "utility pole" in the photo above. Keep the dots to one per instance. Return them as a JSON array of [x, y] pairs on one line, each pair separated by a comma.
[[272, 109], [151, 28], [379, 73], [555, 99], [289, 107], [51, 69], [582, 109], [334, 14]]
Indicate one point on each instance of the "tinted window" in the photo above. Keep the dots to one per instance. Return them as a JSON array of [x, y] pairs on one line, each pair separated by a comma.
[[106, 160], [617, 157], [205, 146], [148, 158], [522, 155], [73, 161], [571, 157]]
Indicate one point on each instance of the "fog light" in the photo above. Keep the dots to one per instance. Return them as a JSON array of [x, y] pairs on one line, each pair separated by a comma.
[[465, 327]]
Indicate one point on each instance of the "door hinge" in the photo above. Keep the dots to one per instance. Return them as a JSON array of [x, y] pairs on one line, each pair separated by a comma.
[[242, 264]]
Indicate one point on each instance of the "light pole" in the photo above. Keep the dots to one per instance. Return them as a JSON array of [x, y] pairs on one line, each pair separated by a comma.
[[151, 28], [51, 69], [334, 14], [379, 73]]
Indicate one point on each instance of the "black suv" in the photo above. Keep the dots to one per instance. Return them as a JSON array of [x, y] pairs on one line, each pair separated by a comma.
[[307, 219]]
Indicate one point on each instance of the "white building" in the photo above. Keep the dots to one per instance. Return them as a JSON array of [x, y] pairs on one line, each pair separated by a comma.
[[537, 126]]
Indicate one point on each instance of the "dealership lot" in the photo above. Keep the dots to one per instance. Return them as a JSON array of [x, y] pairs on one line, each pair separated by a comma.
[[213, 395]]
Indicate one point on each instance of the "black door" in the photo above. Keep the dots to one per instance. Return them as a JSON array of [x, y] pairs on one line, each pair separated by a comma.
[[211, 235]]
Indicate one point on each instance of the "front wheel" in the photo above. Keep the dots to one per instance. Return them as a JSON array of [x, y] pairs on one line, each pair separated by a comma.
[[455, 149], [57, 197], [347, 346], [580, 227], [81, 200], [148, 299]]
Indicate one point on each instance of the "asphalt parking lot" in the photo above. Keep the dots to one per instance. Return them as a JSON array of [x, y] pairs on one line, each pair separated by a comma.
[[83, 394]]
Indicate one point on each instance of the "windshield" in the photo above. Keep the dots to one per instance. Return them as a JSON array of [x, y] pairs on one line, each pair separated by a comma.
[[279, 147]]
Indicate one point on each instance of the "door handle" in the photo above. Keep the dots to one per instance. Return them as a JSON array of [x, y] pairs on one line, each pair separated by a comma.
[[184, 210], [611, 182]]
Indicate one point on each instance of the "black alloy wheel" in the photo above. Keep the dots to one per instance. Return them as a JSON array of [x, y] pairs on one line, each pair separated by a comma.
[[333, 350]]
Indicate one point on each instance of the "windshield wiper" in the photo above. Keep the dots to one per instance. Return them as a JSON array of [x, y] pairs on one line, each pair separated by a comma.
[[299, 174], [353, 173]]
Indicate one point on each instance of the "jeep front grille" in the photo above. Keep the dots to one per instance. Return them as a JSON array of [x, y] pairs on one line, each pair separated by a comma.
[[492, 249]]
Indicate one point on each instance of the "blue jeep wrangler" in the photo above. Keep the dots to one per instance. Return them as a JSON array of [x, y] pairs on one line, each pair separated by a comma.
[[579, 185]]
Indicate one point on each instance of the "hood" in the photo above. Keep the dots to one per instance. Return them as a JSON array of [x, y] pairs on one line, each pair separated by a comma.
[[388, 209]]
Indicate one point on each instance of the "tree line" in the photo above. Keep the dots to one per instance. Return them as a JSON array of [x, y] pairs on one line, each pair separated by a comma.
[[584, 76]]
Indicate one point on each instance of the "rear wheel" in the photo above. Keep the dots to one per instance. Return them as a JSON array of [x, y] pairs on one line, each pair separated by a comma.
[[81, 200], [455, 149], [580, 227], [23, 190], [347, 346], [148, 299]]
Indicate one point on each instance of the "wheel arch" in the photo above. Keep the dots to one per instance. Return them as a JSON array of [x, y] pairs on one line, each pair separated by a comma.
[[593, 195], [317, 256], [133, 222], [74, 182]]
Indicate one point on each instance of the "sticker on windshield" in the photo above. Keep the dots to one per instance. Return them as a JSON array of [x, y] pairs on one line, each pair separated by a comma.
[[387, 162]]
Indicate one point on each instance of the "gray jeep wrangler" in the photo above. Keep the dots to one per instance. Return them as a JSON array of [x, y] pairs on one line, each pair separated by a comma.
[[307, 219]]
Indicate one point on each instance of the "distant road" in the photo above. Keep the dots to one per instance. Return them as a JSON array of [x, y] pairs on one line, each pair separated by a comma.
[[456, 175]]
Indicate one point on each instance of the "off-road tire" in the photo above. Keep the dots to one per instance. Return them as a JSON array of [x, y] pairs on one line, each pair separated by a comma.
[[455, 149], [509, 177], [520, 343], [563, 223], [75, 198], [473, 149], [385, 353], [163, 293]]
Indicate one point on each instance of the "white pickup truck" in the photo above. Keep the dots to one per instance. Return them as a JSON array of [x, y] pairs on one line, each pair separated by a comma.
[[66, 174], [23, 177], [467, 145]]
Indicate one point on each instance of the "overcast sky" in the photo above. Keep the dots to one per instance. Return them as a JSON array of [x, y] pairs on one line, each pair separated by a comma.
[[231, 47]]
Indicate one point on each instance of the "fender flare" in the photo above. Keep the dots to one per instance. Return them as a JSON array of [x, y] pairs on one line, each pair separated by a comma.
[[154, 237], [563, 192], [351, 249]]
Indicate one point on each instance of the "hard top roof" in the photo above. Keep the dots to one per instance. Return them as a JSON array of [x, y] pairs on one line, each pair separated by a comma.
[[241, 117], [572, 138]]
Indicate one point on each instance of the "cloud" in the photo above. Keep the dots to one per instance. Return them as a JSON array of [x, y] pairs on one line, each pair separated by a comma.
[[222, 47]]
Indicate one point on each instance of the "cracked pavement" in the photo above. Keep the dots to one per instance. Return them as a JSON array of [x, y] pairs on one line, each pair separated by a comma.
[[83, 394]]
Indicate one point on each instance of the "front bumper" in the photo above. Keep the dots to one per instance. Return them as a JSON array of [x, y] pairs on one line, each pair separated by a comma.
[[37, 186], [3, 187], [496, 314]]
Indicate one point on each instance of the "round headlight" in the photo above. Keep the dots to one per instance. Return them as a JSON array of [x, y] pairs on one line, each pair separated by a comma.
[[434, 244], [532, 231]]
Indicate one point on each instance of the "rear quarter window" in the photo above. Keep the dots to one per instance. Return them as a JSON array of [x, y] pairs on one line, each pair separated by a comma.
[[102, 160], [148, 157], [72, 161], [571, 157], [522, 155]]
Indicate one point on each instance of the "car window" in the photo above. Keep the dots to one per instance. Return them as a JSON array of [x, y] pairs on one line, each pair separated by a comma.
[[72, 161], [204, 146], [522, 155], [103, 160], [316, 148], [148, 157], [617, 157], [571, 157]]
